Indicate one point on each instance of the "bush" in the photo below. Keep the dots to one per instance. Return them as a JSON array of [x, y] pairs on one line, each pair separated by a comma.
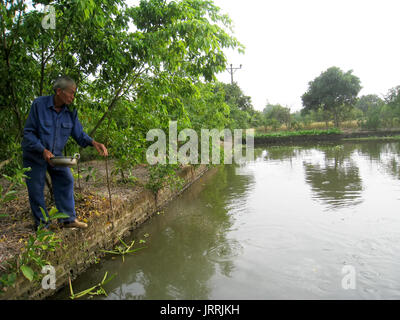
[[373, 121]]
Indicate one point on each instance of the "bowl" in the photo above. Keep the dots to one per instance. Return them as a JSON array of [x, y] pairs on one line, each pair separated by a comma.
[[61, 161]]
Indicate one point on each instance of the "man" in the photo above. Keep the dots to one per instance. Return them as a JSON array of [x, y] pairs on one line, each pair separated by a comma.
[[49, 125]]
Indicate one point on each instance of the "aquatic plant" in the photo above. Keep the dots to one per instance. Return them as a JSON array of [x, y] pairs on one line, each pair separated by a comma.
[[96, 290], [122, 251]]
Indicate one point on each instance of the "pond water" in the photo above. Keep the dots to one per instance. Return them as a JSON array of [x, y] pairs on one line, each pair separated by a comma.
[[300, 222]]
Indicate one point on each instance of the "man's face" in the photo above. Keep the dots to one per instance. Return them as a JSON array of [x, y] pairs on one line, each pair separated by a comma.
[[67, 95]]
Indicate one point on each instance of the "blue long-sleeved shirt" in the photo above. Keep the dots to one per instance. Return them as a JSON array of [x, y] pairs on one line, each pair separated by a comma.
[[48, 129]]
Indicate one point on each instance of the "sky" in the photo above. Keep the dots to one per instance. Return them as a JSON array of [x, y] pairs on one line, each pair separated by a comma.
[[291, 42]]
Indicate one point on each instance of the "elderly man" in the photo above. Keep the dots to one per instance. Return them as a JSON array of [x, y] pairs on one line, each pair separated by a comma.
[[49, 125]]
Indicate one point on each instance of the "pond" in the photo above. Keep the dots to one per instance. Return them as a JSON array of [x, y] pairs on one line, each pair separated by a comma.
[[314, 221]]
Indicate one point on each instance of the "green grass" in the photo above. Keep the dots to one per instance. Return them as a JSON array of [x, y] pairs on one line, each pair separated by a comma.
[[373, 138], [298, 133]]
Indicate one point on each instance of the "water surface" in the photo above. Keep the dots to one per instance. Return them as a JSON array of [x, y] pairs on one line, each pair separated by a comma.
[[281, 227]]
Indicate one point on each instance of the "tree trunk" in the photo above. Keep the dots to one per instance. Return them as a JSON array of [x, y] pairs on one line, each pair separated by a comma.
[[336, 119]]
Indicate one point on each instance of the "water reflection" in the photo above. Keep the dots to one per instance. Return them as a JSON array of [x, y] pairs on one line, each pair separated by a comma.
[[386, 155], [335, 180], [283, 153], [259, 232], [188, 244]]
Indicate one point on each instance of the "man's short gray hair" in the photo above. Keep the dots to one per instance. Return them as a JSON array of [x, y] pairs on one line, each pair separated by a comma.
[[63, 82]]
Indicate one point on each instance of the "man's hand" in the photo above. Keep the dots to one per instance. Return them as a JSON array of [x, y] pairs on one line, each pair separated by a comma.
[[47, 155], [101, 148]]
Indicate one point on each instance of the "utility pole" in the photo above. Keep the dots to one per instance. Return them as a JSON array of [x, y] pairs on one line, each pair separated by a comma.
[[232, 70]]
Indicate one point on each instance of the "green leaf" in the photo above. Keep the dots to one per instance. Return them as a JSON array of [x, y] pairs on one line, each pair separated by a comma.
[[70, 289], [28, 272], [108, 280], [60, 216], [45, 217], [134, 250], [11, 193], [12, 277], [31, 241], [123, 242], [53, 211], [105, 277]]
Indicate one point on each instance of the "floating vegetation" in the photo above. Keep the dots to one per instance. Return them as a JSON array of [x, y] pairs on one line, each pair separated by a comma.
[[96, 290], [126, 249]]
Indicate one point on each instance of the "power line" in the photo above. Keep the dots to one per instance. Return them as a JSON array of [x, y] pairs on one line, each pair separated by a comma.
[[232, 70]]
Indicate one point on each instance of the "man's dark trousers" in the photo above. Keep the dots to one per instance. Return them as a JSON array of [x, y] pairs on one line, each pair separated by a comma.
[[63, 190]]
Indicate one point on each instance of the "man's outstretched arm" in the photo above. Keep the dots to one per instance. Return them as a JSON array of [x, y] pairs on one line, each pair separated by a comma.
[[83, 139]]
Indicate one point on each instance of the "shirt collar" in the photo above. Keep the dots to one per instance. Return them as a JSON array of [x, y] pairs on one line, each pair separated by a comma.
[[50, 103]]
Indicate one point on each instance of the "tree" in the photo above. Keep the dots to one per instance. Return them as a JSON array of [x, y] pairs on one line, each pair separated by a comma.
[[334, 91], [241, 108], [369, 101], [278, 113], [148, 68], [207, 108], [393, 99], [235, 96]]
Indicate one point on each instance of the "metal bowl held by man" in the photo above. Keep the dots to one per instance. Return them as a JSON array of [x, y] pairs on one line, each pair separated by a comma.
[[61, 161]]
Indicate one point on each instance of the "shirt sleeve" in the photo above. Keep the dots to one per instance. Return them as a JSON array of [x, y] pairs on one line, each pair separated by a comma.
[[31, 141], [78, 134]]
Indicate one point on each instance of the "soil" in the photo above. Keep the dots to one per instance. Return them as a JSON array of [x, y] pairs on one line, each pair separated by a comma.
[[91, 193]]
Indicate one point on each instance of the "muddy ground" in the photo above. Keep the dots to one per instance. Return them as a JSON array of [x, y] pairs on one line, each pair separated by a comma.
[[91, 194]]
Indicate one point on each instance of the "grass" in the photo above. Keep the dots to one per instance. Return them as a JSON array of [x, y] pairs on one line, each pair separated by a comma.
[[353, 124], [313, 132], [373, 138]]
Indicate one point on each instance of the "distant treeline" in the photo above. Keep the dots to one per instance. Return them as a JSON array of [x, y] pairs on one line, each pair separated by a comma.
[[332, 99]]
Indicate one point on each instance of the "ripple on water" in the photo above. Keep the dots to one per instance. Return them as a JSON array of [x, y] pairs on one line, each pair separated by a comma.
[[225, 251], [270, 237]]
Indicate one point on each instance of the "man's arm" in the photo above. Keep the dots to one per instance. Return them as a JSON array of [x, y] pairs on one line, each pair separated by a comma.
[[101, 148], [78, 134], [83, 139]]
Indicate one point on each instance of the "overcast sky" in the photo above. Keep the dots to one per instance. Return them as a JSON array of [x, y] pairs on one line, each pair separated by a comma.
[[290, 42]]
